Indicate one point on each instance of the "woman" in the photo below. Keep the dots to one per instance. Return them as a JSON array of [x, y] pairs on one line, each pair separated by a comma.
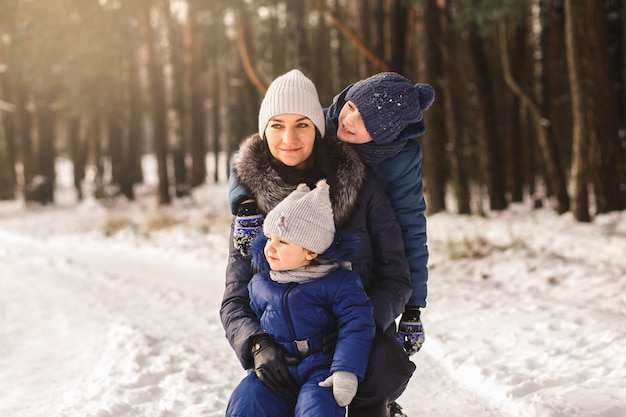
[[289, 150]]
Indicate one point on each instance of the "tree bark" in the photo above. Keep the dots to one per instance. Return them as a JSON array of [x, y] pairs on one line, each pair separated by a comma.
[[115, 140], [491, 154], [94, 153], [434, 140], [41, 189], [135, 136], [522, 71], [607, 158], [550, 152], [7, 112], [244, 53], [197, 125], [580, 146], [178, 131], [77, 154], [446, 97], [379, 63], [24, 123], [159, 110]]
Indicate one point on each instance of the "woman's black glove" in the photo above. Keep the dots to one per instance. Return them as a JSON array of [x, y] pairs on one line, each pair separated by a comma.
[[270, 364]]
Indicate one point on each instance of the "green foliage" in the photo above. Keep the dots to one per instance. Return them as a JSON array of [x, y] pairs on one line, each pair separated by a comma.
[[486, 13]]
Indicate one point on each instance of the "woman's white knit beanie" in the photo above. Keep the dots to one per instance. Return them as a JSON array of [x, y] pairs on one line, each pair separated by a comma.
[[292, 92]]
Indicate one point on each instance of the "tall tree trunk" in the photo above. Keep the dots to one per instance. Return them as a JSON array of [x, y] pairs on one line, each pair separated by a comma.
[[607, 161], [94, 141], [549, 148], [7, 173], [434, 165], [623, 65], [115, 138], [24, 122], [77, 154], [244, 91], [371, 34], [7, 168], [180, 138], [574, 21], [197, 126], [521, 70], [215, 116], [296, 23], [42, 189], [159, 110], [491, 155], [8, 130], [446, 97], [399, 15], [556, 94], [321, 72], [135, 138]]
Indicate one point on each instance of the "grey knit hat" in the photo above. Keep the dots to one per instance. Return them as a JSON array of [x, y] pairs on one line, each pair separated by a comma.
[[304, 217], [388, 102], [292, 92]]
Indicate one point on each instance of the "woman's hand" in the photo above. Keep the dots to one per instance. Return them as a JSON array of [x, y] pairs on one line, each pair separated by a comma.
[[270, 364]]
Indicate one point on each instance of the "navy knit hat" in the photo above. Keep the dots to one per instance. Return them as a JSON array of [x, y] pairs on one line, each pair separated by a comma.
[[388, 102]]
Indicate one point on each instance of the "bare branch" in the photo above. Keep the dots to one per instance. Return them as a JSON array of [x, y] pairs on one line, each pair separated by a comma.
[[343, 28], [244, 54]]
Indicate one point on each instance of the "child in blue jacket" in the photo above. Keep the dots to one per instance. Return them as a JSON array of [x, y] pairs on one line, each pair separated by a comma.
[[308, 293], [381, 116]]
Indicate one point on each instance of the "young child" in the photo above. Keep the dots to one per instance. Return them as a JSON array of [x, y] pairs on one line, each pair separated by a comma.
[[381, 116], [306, 295]]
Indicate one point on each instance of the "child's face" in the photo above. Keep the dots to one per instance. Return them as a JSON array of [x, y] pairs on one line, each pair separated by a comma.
[[351, 128], [283, 255]]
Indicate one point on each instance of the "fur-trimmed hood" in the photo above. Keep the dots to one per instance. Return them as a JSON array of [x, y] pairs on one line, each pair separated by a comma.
[[255, 170]]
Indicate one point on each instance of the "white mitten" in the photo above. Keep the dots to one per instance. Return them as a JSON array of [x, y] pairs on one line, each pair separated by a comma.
[[344, 386]]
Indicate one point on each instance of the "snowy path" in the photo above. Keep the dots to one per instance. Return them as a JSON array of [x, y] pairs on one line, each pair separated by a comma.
[[526, 315], [105, 335], [147, 341]]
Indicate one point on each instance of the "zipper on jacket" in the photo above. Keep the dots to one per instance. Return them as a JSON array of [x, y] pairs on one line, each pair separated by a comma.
[[292, 330]]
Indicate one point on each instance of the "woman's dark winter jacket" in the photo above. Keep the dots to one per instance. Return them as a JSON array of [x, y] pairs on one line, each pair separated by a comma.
[[402, 178], [360, 206]]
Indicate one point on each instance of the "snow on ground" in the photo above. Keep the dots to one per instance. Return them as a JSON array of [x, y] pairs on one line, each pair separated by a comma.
[[111, 310]]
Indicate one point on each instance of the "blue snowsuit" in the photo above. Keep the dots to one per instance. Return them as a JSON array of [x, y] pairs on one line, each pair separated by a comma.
[[306, 313]]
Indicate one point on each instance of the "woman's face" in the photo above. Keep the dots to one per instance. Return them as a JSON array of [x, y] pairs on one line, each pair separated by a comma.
[[351, 128], [290, 138]]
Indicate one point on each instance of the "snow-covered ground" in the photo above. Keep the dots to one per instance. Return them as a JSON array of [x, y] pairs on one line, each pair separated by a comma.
[[112, 310]]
